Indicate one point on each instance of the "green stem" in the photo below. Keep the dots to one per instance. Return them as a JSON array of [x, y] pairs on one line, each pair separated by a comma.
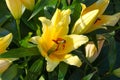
[[18, 28]]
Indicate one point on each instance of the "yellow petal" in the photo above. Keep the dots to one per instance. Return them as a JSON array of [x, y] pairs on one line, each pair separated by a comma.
[[78, 40], [83, 7], [72, 60], [34, 39], [91, 51], [105, 20], [51, 65], [108, 20], [29, 4], [4, 42], [101, 5], [4, 64], [61, 16], [45, 23], [85, 22], [60, 21], [15, 7], [41, 44], [58, 26]]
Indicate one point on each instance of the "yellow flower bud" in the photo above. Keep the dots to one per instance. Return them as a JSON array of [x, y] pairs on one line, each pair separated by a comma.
[[29, 4], [91, 50], [4, 42], [15, 7], [4, 64]]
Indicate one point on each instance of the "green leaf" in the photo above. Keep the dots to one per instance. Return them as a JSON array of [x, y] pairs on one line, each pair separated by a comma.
[[76, 10], [20, 52], [4, 19], [62, 71], [25, 42], [10, 73], [35, 70], [48, 12], [89, 76], [111, 51], [40, 5]]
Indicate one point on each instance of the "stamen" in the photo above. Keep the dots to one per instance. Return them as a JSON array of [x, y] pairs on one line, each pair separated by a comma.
[[60, 42], [98, 19]]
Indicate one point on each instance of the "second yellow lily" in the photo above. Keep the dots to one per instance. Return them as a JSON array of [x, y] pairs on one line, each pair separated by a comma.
[[91, 18]]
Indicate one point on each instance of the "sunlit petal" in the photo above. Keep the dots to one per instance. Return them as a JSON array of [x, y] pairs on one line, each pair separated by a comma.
[[60, 15], [84, 22], [51, 65], [105, 20], [83, 7], [73, 60], [4, 42], [108, 20], [101, 5], [29, 4]]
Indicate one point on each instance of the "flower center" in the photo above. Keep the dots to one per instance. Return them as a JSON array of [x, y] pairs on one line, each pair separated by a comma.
[[59, 45]]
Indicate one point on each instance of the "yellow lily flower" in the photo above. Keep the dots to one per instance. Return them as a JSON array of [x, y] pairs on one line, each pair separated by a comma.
[[16, 8], [91, 50], [29, 4], [55, 44], [91, 18], [4, 43]]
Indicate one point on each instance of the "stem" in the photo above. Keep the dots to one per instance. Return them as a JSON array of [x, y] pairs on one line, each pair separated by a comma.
[[18, 28]]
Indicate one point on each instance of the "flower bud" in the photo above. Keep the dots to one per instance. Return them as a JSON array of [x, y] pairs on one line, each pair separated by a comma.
[[91, 50], [29, 4], [15, 7], [4, 64], [4, 42]]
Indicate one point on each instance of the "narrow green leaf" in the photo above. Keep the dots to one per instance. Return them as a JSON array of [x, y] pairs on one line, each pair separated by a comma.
[[89, 76], [4, 19], [10, 73], [40, 5], [35, 70], [20, 52], [112, 50], [76, 10], [62, 71]]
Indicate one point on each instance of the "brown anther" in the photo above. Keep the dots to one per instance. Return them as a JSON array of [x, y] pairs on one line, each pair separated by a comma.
[[98, 19], [60, 41]]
